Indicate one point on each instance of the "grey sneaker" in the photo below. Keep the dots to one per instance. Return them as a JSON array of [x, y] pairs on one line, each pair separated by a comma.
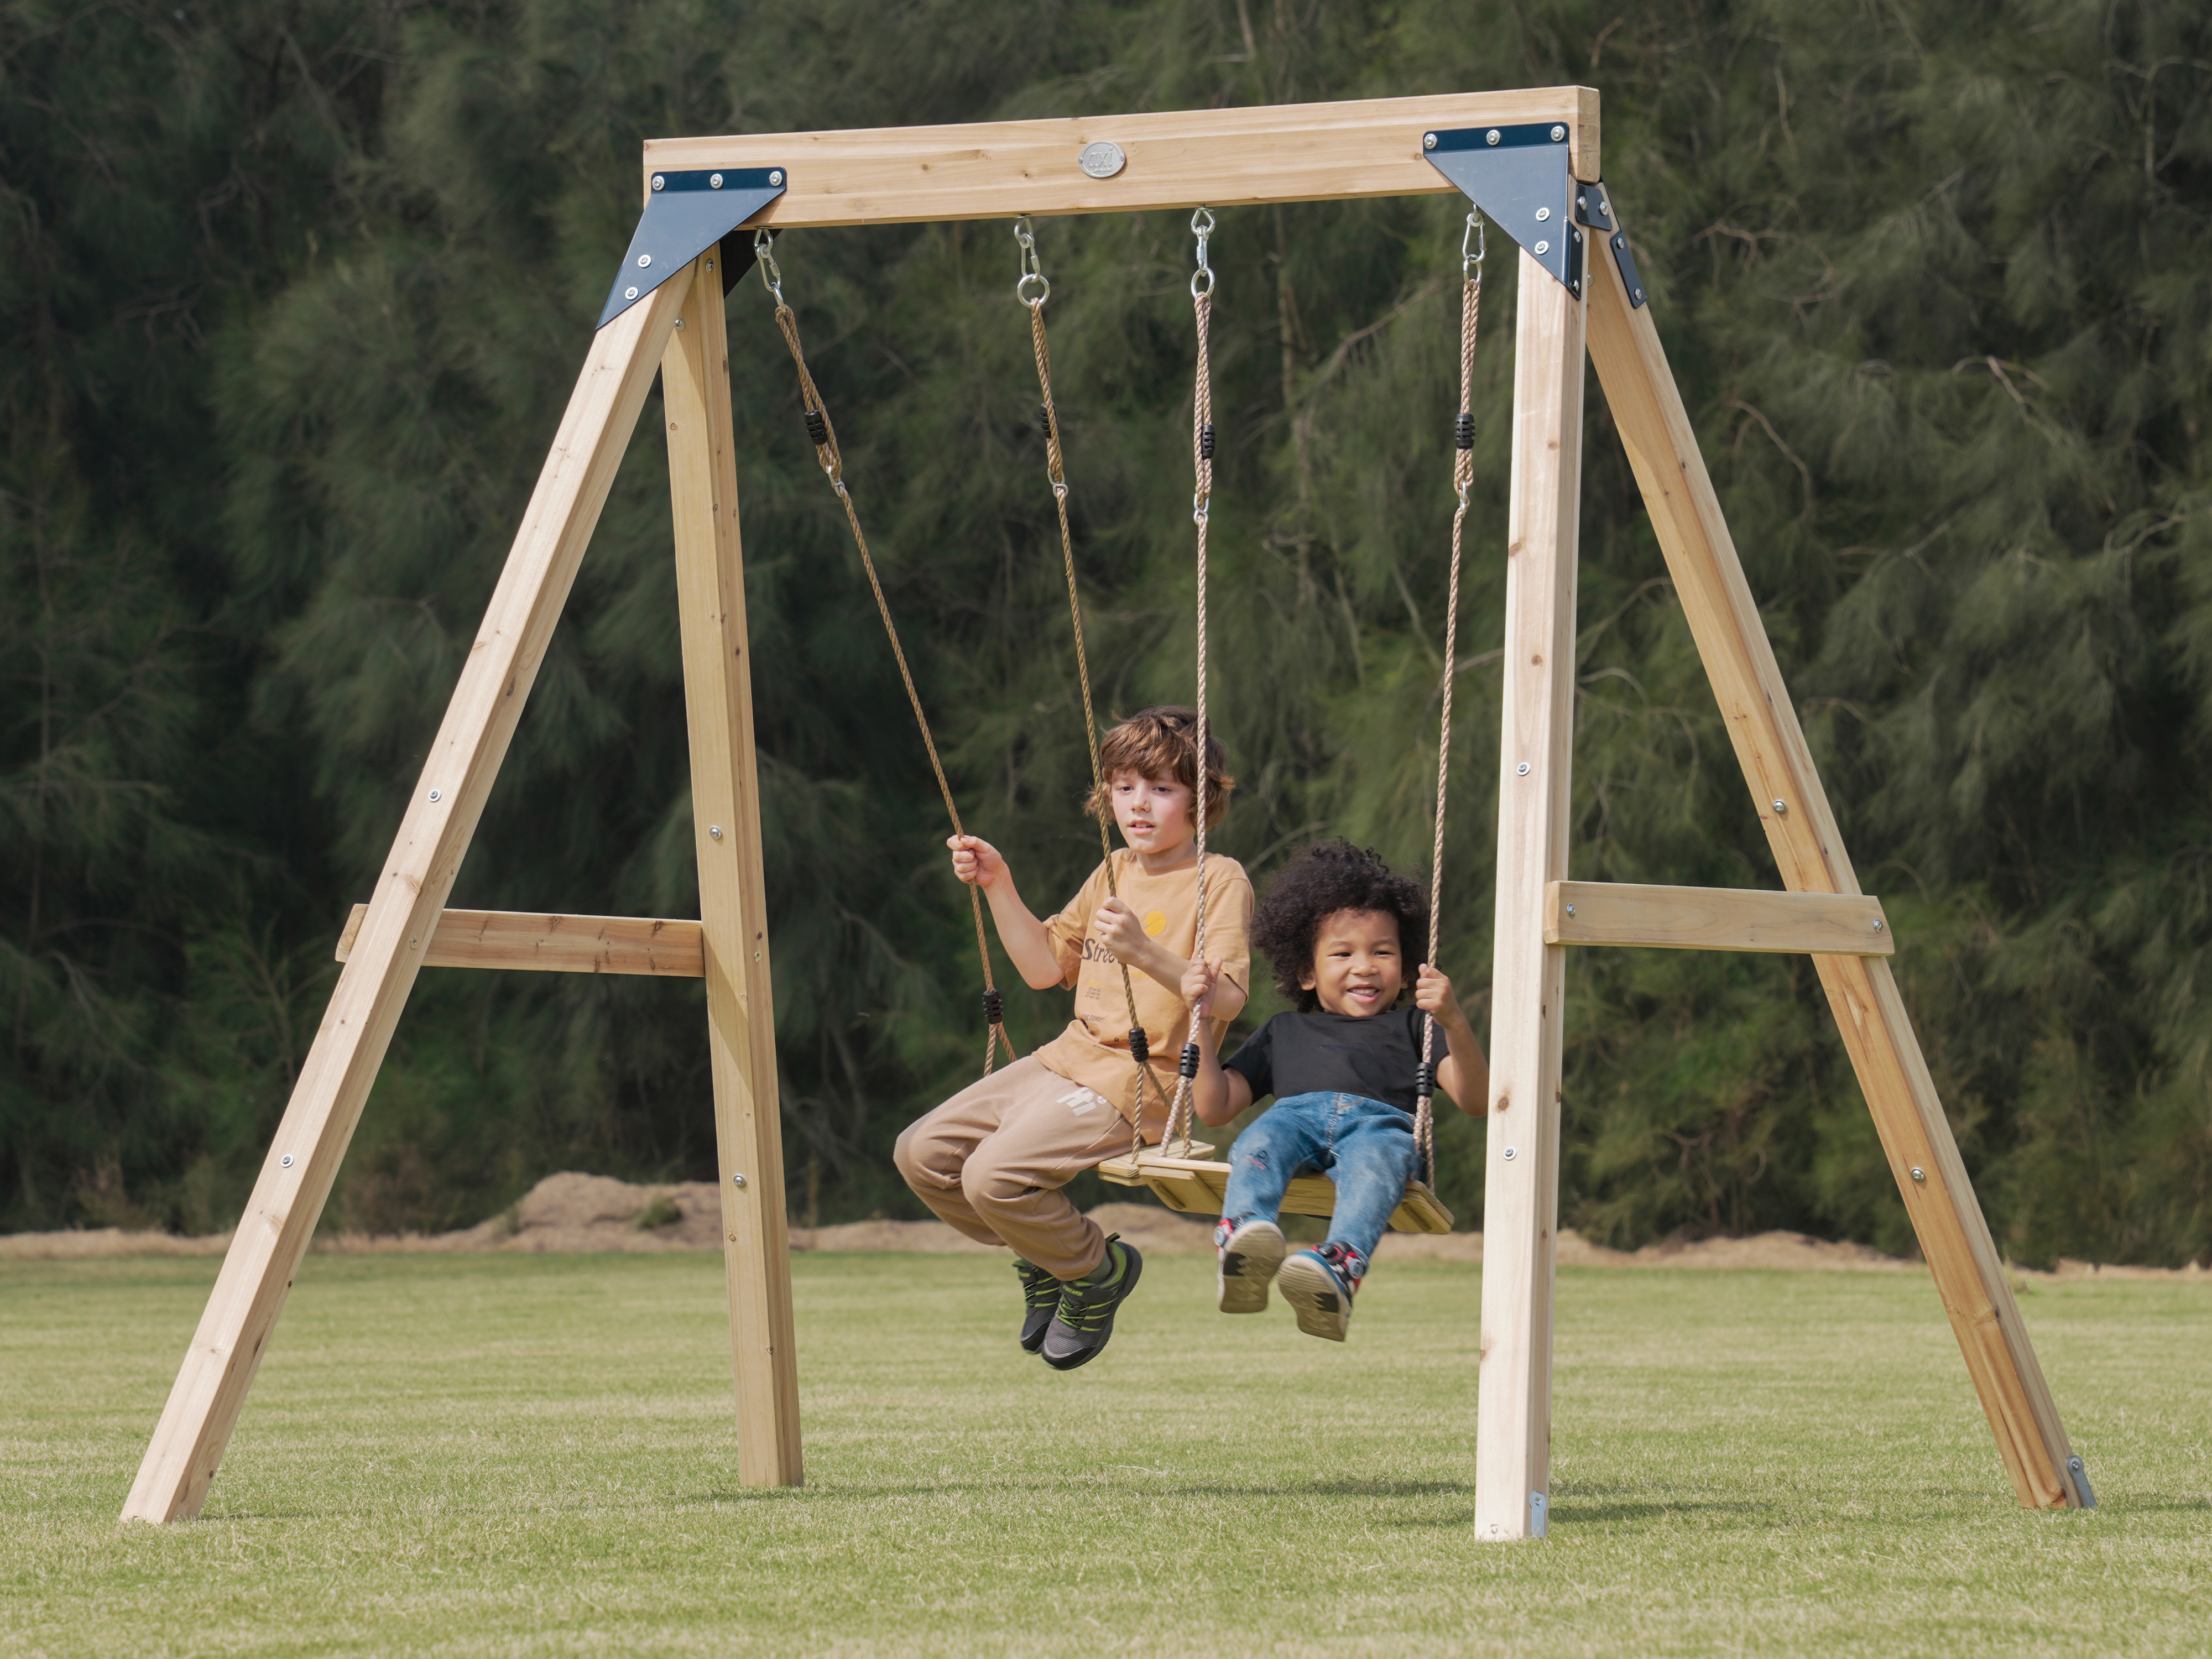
[[1084, 1323], [1320, 1285], [1249, 1251], [1040, 1300]]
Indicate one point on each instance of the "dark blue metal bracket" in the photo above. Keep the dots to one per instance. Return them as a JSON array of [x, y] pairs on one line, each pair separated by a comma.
[[1594, 208], [687, 213], [1518, 175]]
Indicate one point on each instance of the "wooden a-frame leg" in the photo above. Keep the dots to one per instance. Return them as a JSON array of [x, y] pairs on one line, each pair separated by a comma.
[[1762, 724], [1513, 1434], [441, 817], [710, 588]]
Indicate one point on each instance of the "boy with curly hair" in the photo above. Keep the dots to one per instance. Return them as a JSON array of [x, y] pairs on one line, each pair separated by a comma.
[[993, 1159], [1343, 1065]]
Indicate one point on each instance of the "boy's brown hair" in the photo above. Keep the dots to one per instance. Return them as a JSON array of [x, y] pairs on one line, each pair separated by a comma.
[[1162, 743]]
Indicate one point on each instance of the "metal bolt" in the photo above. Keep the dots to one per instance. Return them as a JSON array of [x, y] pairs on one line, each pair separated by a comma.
[[658, 182], [1522, 769], [1877, 926], [679, 322], [643, 260], [1543, 248], [1511, 1154], [714, 831], [1491, 136], [736, 1181], [710, 265], [1919, 1173], [1542, 214], [1782, 809], [1428, 140], [286, 1161], [1571, 909], [713, 181], [629, 294], [776, 178], [436, 795], [1559, 135]]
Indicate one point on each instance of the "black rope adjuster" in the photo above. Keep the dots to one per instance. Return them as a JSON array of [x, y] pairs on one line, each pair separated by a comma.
[[1425, 1079], [817, 427], [994, 1007], [1044, 420], [1206, 441], [1463, 430], [1190, 1066], [1139, 1046]]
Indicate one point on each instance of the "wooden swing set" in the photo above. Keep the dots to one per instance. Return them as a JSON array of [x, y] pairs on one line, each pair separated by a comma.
[[1528, 161]]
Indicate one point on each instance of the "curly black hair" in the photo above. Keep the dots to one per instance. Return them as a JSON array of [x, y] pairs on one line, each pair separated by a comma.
[[1319, 881]]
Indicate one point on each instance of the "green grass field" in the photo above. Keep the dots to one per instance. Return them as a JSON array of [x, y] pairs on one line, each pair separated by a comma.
[[532, 1455]]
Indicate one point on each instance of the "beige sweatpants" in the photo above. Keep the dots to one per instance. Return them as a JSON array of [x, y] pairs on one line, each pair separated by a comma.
[[992, 1160]]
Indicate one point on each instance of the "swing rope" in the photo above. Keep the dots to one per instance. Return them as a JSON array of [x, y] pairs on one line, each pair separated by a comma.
[[832, 461], [1201, 501], [1470, 314], [1056, 470]]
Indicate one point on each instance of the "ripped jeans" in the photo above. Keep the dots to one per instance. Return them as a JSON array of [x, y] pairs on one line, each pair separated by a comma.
[[1365, 1146]]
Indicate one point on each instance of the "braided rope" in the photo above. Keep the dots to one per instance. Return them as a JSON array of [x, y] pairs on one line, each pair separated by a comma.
[[1202, 420], [1056, 470], [832, 460], [1462, 480]]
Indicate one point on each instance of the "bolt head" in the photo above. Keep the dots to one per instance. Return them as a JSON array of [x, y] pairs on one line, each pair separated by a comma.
[[1522, 770], [1919, 1173], [629, 294], [437, 795], [714, 831], [1492, 137], [736, 1181], [1782, 809], [1543, 248], [713, 181], [1542, 214], [1428, 140], [643, 260], [776, 178], [660, 183], [1559, 135], [285, 1162], [1877, 926], [1511, 1154], [1571, 909]]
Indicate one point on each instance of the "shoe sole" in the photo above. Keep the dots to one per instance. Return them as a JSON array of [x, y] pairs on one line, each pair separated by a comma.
[[1248, 1264], [1084, 1356], [1311, 1289]]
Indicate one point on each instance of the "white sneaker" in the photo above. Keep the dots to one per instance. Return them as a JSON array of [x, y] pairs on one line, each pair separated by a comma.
[[1250, 1255]]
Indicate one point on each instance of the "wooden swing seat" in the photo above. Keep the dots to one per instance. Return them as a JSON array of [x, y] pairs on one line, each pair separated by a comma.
[[1196, 1185]]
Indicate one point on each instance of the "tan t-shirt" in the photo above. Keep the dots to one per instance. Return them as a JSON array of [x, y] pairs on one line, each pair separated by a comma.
[[1094, 1049]]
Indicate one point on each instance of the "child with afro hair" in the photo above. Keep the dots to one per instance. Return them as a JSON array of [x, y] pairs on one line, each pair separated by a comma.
[[1338, 926]]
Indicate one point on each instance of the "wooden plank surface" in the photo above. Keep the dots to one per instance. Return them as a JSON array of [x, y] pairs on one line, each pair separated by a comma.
[[550, 944], [725, 837], [1713, 919], [1701, 558], [1198, 1185], [1175, 159], [1513, 1430], [334, 1082]]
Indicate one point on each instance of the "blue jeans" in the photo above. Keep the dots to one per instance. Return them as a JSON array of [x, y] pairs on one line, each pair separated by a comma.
[[1365, 1146]]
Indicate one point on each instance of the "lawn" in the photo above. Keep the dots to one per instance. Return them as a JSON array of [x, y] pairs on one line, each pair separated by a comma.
[[532, 1455]]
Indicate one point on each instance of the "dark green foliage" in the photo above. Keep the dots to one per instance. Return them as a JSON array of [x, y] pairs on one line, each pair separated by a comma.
[[293, 296]]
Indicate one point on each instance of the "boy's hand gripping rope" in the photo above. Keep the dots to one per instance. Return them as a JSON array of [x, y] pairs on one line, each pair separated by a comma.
[[1033, 290], [1470, 314], [1201, 503], [824, 438]]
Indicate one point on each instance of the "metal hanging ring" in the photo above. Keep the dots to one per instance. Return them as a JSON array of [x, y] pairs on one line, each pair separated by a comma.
[[771, 273], [1032, 271], [1201, 226], [1470, 260]]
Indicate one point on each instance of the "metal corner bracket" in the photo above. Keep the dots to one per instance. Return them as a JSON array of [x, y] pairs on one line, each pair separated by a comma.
[[1594, 208], [687, 213], [2079, 1474], [1518, 176]]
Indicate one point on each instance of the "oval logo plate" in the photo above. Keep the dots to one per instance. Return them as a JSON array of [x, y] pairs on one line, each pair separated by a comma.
[[1102, 160]]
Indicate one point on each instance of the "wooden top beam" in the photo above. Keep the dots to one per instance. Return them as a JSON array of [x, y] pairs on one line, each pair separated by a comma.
[[1177, 159]]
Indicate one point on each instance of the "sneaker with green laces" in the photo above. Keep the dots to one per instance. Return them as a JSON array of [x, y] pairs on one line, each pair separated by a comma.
[[1040, 1301], [1084, 1322]]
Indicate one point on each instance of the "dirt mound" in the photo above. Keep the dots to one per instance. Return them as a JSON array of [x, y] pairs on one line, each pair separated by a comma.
[[574, 1213]]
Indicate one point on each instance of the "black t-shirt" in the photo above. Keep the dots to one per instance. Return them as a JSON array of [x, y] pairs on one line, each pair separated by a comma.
[[1377, 1055]]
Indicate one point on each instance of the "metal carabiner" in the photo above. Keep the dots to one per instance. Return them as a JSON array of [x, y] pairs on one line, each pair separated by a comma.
[[1201, 226], [1470, 263], [771, 272], [1032, 271]]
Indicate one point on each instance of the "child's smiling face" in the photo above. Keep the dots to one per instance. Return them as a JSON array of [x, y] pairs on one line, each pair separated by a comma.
[[1358, 967], [1154, 813]]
